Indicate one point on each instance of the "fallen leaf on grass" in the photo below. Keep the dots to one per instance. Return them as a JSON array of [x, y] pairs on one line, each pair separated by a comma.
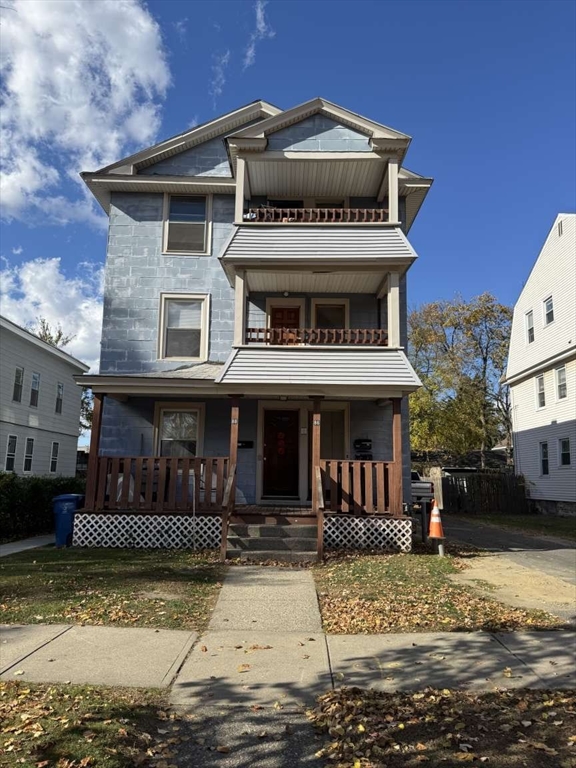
[[222, 749]]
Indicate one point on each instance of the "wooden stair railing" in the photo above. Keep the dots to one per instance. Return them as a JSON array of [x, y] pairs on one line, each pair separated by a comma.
[[319, 512], [227, 510]]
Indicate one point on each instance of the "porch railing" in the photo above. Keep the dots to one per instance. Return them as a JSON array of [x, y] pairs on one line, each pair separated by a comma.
[[318, 336], [355, 487], [158, 483], [317, 215]]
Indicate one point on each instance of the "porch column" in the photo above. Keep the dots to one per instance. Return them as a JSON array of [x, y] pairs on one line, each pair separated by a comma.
[[234, 425], [396, 493], [316, 434], [393, 190], [393, 304], [239, 308], [92, 475], [240, 182]]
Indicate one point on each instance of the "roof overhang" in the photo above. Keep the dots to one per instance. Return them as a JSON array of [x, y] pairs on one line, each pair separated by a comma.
[[31, 338]]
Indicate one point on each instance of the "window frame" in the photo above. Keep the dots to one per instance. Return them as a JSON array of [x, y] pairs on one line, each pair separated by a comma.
[[59, 398], [13, 455], [19, 399], [557, 381], [315, 302], [544, 459], [181, 406], [204, 328], [528, 327], [537, 379], [54, 458], [35, 377], [207, 229], [548, 298], [560, 452], [28, 456]]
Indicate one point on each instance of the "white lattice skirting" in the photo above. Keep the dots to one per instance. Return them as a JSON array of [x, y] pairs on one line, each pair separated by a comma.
[[147, 531], [382, 534]]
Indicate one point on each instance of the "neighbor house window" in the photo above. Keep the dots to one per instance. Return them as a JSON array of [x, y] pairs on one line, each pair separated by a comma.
[[184, 333], [530, 326], [561, 388], [548, 311], [35, 389], [28, 454], [564, 451], [54, 457], [540, 393], [560, 228], [10, 453], [18, 384], [330, 314], [59, 397], [544, 466], [186, 224], [178, 432]]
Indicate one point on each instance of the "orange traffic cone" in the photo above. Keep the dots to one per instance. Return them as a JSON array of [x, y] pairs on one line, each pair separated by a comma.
[[436, 531]]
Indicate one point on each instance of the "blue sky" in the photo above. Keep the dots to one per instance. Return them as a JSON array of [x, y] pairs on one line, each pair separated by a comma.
[[486, 90]]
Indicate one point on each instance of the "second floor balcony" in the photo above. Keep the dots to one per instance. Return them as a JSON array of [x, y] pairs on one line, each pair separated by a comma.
[[374, 337], [272, 214]]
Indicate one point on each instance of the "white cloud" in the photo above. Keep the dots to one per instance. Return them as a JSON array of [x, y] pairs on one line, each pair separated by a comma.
[[82, 86], [219, 75], [39, 288], [261, 31], [181, 28], [18, 250]]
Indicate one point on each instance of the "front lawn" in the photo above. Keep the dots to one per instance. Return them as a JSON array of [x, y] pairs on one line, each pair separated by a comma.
[[372, 594], [120, 587], [543, 525], [505, 729]]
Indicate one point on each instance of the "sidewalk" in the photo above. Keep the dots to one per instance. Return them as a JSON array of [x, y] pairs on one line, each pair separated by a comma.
[[21, 546]]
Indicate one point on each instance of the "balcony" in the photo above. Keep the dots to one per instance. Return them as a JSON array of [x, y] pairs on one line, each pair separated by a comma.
[[373, 337], [271, 215]]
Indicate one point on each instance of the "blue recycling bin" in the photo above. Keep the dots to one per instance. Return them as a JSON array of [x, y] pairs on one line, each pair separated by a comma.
[[65, 507]]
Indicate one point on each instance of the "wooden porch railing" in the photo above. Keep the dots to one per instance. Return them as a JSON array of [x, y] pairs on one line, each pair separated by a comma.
[[329, 336], [356, 487], [227, 510], [159, 484], [317, 215]]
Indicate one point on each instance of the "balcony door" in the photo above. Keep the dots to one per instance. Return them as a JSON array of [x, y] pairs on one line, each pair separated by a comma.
[[284, 313], [285, 317]]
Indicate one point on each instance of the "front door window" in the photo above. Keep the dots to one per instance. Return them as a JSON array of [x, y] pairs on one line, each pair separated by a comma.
[[281, 454]]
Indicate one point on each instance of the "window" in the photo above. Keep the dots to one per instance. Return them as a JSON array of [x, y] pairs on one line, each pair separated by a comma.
[[10, 453], [561, 388], [564, 451], [59, 397], [18, 384], [184, 327], [530, 326], [179, 432], [544, 467], [560, 228], [548, 311], [35, 390], [54, 457], [185, 230], [28, 454], [540, 393], [329, 314]]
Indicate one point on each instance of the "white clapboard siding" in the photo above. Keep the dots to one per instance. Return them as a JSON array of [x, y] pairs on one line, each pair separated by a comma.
[[553, 274], [293, 365]]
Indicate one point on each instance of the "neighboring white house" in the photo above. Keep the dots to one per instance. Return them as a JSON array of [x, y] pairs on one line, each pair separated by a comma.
[[39, 404], [542, 373]]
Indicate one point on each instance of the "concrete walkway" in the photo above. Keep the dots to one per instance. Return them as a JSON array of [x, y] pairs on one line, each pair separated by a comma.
[[21, 546]]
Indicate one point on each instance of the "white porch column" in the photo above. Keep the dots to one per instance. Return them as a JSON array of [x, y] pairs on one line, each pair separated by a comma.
[[393, 309], [393, 189], [239, 307], [240, 183]]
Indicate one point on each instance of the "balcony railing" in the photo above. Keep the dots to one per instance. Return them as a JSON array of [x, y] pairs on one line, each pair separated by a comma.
[[374, 337], [317, 215]]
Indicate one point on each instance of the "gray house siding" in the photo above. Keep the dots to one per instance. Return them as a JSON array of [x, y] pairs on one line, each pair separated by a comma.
[[208, 159], [318, 134]]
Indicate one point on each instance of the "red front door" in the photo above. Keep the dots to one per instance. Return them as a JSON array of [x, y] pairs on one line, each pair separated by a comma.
[[281, 457], [284, 317]]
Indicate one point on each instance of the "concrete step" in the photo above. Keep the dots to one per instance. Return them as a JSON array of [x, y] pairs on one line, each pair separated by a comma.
[[277, 544], [262, 555], [275, 531]]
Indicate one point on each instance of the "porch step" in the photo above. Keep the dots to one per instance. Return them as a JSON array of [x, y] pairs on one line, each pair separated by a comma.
[[288, 543], [274, 531], [276, 544], [263, 555]]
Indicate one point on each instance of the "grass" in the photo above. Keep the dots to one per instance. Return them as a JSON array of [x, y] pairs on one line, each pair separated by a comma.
[[543, 525], [503, 729], [119, 587], [81, 726], [372, 594]]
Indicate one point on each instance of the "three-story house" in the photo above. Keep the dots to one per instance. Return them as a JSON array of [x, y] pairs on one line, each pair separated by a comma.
[[253, 365]]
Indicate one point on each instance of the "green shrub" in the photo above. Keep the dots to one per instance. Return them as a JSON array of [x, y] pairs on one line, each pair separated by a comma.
[[26, 503]]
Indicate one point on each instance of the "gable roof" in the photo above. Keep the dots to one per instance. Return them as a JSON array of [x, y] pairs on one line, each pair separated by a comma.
[[36, 341]]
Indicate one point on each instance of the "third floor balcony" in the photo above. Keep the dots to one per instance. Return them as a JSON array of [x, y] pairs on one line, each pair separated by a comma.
[[290, 213]]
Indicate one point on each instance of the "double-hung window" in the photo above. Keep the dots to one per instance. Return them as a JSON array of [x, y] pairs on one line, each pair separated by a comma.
[[540, 392], [548, 311], [18, 385], [54, 457], [564, 452], [35, 390], [179, 432], [184, 331], [530, 326], [544, 463], [561, 388], [186, 226], [329, 314], [59, 397], [10, 453], [28, 454]]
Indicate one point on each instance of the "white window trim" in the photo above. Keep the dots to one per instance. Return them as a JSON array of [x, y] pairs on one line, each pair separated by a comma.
[[180, 405], [286, 301], [560, 465], [204, 331], [50, 470], [526, 327], [344, 302], [12, 454], [557, 383], [544, 323], [540, 458], [536, 379], [207, 232], [26, 455]]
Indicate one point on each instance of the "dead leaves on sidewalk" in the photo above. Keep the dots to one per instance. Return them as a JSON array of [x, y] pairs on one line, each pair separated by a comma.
[[368, 729]]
